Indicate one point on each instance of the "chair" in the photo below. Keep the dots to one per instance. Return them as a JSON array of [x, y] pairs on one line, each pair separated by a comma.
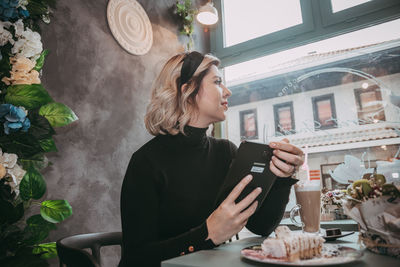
[[71, 251]]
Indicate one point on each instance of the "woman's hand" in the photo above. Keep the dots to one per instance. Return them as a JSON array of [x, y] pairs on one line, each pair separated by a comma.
[[286, 159], [229, 218]]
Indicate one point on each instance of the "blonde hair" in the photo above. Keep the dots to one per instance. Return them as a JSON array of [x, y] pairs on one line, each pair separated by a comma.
[[171, 108]]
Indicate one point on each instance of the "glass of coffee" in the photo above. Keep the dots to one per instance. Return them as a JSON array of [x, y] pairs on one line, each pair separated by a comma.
[[308, 198]]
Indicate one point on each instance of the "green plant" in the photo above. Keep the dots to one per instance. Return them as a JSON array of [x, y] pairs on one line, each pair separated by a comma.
[[28, 116], [185, 12]]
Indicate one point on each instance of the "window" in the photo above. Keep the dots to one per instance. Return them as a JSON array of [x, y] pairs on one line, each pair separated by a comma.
[[284, 118], [338, 97], [248, 124], [370, 108], [339, 5], [260, 18], [324, 112], [247, 32]]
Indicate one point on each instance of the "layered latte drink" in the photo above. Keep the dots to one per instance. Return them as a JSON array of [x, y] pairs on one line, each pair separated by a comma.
[[308, 197]]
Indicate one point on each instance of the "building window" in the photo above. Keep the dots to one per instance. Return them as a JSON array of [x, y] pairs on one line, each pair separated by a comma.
[[248, 124], [324, 112], [284, 119], [369, 104]]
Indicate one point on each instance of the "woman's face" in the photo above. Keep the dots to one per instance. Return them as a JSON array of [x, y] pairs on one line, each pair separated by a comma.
[[212, 99]]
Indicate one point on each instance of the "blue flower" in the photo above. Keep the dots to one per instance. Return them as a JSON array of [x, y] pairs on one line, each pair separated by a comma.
[[10, 11], [14, 118]]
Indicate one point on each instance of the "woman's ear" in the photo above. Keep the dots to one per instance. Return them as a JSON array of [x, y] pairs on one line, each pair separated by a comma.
[[184, 88]]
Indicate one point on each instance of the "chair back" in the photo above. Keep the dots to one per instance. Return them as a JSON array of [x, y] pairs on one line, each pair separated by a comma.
[[71, 251]]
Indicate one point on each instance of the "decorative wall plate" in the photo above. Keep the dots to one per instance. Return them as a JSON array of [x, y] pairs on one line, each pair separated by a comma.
[[130, 26]]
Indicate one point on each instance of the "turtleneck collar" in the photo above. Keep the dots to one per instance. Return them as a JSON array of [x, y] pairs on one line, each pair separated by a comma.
[[193, 137]]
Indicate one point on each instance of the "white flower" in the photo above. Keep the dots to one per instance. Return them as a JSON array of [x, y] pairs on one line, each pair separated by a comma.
[[13, 172], [19, 28], [23, 3], [28, 45], [5, 35]]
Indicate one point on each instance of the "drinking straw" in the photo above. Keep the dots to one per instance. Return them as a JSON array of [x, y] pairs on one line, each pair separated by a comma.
[[305, 166]]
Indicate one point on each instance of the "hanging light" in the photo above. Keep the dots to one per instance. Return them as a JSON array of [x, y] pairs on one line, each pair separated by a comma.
[[208, 14]]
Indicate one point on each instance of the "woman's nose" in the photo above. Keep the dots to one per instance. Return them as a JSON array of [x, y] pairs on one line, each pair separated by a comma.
[[227, 92]]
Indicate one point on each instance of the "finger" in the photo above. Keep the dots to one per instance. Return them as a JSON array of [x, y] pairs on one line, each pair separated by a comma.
[[277, 171], [244, 203], [285, 140], [244, 216], [283, 166], [286, 147], [238, 189], [295, 160]]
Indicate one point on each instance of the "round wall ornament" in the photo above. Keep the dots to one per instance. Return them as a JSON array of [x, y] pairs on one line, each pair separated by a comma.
[[130, 26]]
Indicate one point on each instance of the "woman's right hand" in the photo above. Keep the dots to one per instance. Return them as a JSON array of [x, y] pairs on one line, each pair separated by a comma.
[[229, 218]]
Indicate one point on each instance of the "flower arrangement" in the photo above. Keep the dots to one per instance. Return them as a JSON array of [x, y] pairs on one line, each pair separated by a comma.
[[331, 204], [375, 205], [28, 116], [185, 12]]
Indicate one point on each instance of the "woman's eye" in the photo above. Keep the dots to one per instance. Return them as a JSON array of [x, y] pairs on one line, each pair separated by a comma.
[[218, 82]]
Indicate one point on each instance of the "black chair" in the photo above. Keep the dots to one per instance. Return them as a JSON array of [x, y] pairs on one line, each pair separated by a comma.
[[71, 251]]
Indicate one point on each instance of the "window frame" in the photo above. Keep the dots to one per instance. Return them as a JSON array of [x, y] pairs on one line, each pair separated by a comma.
[[276, 117], [314, 101], [318, 23], [242, 113], [357, 95]]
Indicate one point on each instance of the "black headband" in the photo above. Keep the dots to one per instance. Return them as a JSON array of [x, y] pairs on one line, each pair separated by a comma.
[[190, 64]]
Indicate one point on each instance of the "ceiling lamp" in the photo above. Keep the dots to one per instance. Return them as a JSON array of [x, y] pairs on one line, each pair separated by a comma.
[[207, 15]]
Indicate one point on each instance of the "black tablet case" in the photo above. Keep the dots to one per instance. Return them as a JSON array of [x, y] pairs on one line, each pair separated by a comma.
[[252, 158]]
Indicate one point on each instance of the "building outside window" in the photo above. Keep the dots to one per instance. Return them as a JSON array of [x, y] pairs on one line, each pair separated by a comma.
[[369, 104], [248, 124], [284, 119], [324, 112]]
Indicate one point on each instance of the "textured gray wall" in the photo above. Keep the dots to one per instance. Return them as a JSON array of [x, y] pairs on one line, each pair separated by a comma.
[[108, 89]]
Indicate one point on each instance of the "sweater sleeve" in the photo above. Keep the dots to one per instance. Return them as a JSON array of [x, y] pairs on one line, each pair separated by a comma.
[[270, 214], [141, 245]]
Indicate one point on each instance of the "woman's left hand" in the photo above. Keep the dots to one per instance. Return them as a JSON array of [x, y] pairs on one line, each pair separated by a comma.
[[286, 159]]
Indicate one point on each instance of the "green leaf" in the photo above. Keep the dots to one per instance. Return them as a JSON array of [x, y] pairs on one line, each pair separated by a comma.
[[40, 126], [29, 96], [38, 161], [32, 185], [37, 229], [55, 211], [40, 60], [58, 114], [23, 144], [48, 145], [47, 250]]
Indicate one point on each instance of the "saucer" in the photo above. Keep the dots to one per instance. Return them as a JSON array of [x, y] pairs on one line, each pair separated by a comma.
[[334, 237]]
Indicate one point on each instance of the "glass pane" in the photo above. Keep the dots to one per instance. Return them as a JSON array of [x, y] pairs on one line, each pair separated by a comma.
[[277, 63], [344, 95], [339, 5], [245, 20]]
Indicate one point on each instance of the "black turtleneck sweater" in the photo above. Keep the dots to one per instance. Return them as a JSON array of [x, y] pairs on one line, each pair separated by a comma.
[[170, 189]]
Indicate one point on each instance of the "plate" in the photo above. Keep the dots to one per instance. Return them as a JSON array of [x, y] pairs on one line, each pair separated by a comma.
[[332, 254], [334, 237]]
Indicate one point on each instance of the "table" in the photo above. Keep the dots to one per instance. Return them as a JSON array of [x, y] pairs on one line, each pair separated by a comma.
[[229, 255]]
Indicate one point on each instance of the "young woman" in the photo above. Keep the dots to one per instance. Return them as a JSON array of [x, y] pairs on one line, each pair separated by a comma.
[[171, 184]]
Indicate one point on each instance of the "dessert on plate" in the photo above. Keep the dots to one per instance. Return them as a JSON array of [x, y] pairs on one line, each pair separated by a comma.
[[290, 246]]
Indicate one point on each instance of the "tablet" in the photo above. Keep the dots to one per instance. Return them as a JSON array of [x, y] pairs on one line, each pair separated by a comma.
[[252, 158]]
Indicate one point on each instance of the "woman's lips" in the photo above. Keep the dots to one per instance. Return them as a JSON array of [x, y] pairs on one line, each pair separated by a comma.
[[225, 104]]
